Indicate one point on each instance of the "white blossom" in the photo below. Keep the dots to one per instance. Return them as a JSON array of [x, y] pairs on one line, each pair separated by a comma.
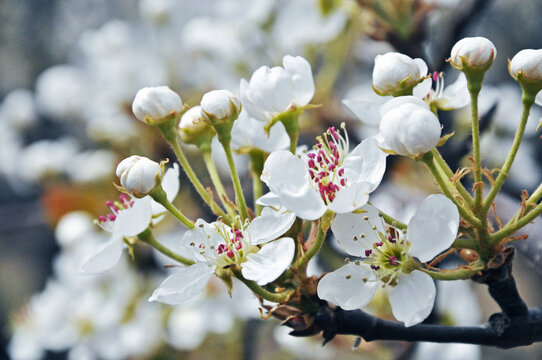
[[432, 229], [527, 64], [153, 104], [473, 52], [220, 105], [395, 73]]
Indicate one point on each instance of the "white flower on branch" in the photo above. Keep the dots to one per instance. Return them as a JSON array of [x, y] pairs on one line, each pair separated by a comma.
[[388, 257], [328, 177]]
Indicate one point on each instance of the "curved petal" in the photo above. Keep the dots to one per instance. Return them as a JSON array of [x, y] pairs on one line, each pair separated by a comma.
[[134, 220], [433, 228], [413, 297], [400, 100], [248, 105], [270, 262], [269, 199], [456, 95], [183, 285], [287, 176], [364, 110], [170, 182], [269, 226], [351, 198], [346, 226], [191, 240], [301, 73], [422, 89], [422, 66], [107, 256], [351, 286], [367, 162]]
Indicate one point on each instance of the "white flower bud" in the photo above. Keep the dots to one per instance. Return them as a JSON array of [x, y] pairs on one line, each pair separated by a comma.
[[397, 74], [527, 64], [192, 127], [153, 104], [139, 175], [473, 53], [220, 105], [408, 127]]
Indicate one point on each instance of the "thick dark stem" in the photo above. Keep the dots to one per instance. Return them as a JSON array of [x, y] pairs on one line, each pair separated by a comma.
[[500, 331]]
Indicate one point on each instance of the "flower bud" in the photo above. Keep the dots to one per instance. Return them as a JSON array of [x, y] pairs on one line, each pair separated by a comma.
[[397, 74], [193, 129], [220, 106], [526, 65], [139, 175], [473, 54], [152, 105], [408, 127]]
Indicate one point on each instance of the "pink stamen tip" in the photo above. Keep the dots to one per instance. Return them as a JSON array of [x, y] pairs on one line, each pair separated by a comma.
[[379, 244], [111, 217], [368, 252], [230, 253], [102, 218], [393, 260], [311, 155], [239, 246], [343, 182], [109, 203], [374, 267], [341, 171], [435, 76], [312, 163]]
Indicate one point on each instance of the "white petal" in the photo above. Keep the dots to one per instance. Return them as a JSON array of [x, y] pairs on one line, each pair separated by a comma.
[[134, 220], [456, 95], [270, 262], [364, 110], [287, 176], [171, 183], [248, 105], [400, 100], [433, 228], [269, 199], [301, 73], [422, 66], [107, 256], [412, 298], [351, 198], [269, 226], [367, 163], [346, 286], [422, 89], [183, 285], [346, 226]]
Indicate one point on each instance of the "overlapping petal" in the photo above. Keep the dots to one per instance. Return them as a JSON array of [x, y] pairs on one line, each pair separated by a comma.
[[347, 226], [269, 226], [270, 262], [412, 299]]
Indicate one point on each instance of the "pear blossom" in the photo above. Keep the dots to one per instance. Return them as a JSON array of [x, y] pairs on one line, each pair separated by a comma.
[[388, 255], [220, 105], [327, 177], [139, 175], [396, 74], [408, 127], [152, 104], [217, 246], [473, 53], [454, 96], [272, 91], [527, 64], [128, 218]]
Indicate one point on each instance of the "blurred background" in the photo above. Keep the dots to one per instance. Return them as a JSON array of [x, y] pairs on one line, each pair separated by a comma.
[[69, 70]]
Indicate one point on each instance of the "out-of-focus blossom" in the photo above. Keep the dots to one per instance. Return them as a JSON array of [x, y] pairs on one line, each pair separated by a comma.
[[248, 133], [18, 110], [91, 166]]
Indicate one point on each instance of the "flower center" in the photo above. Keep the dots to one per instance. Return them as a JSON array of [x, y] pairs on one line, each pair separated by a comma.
[[436, 93], [325, 161], [233, 246], [106, 221], [388, 256]]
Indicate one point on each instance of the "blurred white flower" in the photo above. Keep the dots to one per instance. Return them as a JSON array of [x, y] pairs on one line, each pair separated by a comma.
[[91, 166], [248, 133], [18, 110]]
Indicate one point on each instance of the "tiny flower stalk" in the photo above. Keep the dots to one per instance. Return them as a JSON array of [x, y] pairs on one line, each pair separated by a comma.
[[260, 291], [323, 225], [221, 108], [148, 238], [455, 274], [215, 178], [159, 195], [290, 120], [169, 133]]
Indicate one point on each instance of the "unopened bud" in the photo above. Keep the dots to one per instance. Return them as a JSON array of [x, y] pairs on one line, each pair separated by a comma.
[[139, 175], [526, 66], [152, 105], [220, 106], [397, 74], [473, 54], [193, 129]]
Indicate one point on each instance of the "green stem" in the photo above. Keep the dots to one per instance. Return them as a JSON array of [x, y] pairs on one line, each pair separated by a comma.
[[442, 164], [456, 274], [168, 131], [390, 220], [509, 229], [261, 292], [239, 197], [464, 243], [256, 169], [479, 191], [215, 178], [323, 225], [465, 214], [528, 102], [148, 238], [160, 196]]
